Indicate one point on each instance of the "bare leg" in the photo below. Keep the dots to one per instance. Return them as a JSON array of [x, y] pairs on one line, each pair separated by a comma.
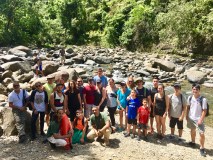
[[202, 140]]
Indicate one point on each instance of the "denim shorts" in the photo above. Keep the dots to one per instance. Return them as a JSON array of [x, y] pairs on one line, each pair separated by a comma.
[[193, 125]]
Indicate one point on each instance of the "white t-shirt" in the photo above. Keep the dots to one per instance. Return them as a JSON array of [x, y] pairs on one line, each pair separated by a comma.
[[177, 105], [195, 110], [39, 101], [17, 98]]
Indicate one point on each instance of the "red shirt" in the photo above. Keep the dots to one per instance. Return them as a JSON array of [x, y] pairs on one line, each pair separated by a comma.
[[90, 94], [143, 113]]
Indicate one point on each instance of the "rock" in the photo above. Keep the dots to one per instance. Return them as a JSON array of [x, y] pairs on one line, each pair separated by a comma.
[[7, 81], [22, 85], [78, 59], [207, 84], [143, 72], [3, 98], [195, 76], [10, 58], [49, 67], [164, 65], [69, 50], [61, 74], [8, 121], [103, 60], [151, 70], [1, 131], [24, 66], [17, 52], [80, 71], [90, 62], [24, 49], [25, 77], [3, 89], [179, 69], [7, 74], [43, 80]]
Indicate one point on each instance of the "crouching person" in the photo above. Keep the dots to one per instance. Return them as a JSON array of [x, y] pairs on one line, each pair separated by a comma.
[[100, 126], [60, 131]]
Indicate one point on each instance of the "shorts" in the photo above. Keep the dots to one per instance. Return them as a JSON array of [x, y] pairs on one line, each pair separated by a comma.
[[63, 58], [159, 112], [193, 125], [142, 126], [39, 67], [132, 121], [174, 121], [151, 112]]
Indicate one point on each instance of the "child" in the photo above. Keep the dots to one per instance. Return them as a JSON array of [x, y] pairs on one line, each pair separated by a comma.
[[131, 110], [142, 119]]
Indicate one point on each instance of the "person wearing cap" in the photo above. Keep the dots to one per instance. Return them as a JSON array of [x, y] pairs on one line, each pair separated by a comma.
[[122, 95], [195, 115], [57, 100], [89, 97], [102, 77], [153, 90], [100, 95], [49, 87], [141, 91], [177, 106]]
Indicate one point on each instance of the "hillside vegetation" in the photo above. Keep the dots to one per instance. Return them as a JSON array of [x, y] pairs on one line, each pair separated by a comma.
[[133, 24]]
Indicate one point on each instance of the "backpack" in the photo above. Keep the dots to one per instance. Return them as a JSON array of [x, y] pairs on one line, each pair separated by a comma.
[[181, 97], [144, 92], [201, 104]]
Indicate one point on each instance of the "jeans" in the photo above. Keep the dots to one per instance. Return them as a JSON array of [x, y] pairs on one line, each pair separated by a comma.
[[112, 114], [33, 123]]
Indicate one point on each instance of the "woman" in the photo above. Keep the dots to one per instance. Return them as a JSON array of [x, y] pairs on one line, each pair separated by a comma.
[[161, 105], [100, 96], [80, 127], [130, 83], [122, 95], [60, 131], [111, 91], [72, 100]]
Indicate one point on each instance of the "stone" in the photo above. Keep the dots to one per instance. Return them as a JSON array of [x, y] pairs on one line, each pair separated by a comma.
[[90, 62], [49, 67], [7, 74], [3, 89], [179, 69], [25, 77], [24, 49], [10, 58], [60, 74], [164, 65], [69, 50], [24, 66], [17, 52], [103, 60], [3, 98], [196, 76], [142, 72]]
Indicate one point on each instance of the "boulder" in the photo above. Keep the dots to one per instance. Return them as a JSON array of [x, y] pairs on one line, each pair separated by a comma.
[[17, 52], [103, 60], [3, 89], [8, 121], [24, 49], [196, 76], [179, 69], [22, 85], [164, 65], [61, 74], [24, 66], [69, 50], [79, 59], [3, 98], [90, 62], [25, 77], [7, 74], [142, 72], [10, 58], [43, 80], [49, 67], [7, 81]]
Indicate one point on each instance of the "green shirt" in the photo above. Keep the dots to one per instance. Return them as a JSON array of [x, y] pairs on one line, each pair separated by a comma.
[[53, 128], [49, 88], [100, 121]]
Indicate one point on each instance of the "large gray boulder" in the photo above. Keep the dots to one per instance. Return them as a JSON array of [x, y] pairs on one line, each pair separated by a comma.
[[103, 60], [60, 74], [10, 58], [24, 66], [24, 49], [195, 76], [49, 67], [7, 74], [25, 77], [17, 52], [165, 65]]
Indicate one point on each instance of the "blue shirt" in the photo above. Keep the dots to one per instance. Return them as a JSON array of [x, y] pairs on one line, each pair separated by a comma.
[[122, 97], [133, 105], [103, 80]]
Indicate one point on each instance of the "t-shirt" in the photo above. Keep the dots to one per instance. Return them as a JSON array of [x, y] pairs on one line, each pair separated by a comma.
[[142, 93], [79, 124], [111, 98], [153, 91], [17, 98], [176, 105], [133, 105], [103, 80], [49, 88], [53, 128], [90, 94], [39, 101], [143, 113], [195, 110], [100, 121], [122, 97], [73, 102]]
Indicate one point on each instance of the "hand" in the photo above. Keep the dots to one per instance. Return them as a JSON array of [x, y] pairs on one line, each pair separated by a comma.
[[22, 109], [35, 111], [169, 116], [199, 122], [100, 133], [164, 115], [68, 112], [82, 140], [180, 118]]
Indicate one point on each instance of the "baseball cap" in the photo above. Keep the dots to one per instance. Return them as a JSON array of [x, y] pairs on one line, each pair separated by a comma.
[[176, 84]]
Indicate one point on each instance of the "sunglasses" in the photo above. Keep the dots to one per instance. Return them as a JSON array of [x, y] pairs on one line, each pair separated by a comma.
[[79, 81], [16, 85], [38, 86]]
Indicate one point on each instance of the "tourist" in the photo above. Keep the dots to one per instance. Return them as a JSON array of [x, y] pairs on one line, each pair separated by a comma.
[[130, 83], [102, 77]]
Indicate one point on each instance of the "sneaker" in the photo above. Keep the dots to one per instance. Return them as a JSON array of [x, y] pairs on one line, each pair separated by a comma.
[[202, 152], [180, 140], [138, 138], [126, 135], [145, 139], [53, 146], [44, 141], [192, 144], [22, 139], [171, 137], [132, 136], [43, 134]]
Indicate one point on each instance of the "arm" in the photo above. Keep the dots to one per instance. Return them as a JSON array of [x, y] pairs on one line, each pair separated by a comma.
[[66, 110], [149, 101], [103, 96], [204, 111], [52, 102], [167, 106], [84, 131], [84, 98], [107, 125], [79, 99], [12, 106], [183, 113]]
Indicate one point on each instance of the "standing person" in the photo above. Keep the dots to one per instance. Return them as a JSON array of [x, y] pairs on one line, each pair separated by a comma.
[[80, 128], [80, 87], [177, 110], [132, 107], [72, 100], [100, 96], [39, 65], [130, 83], [195, 115], [62, 55], [49, 87], [161, 106], [153, 91], [89, 97], [111, 91], [57, 100], [16, 102], [62, 81], [142, 119], [100, 126], [102, 77], [39, 103], [122, 95], [141, 91]]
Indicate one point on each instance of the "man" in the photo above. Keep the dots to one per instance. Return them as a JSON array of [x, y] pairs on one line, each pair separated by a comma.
[[89, 97], [80, 87], [141, 91], [62, 55], [49, 87], [102, 77], [39, 103], [176, 110], [57, 100], [196, 111], [100, 126], [16, 102], [153, 90]]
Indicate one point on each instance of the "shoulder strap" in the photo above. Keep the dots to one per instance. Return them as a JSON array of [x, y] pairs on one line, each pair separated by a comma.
[[54, 95], [23, 100], [201, 101], [181, 98], [144, 92]]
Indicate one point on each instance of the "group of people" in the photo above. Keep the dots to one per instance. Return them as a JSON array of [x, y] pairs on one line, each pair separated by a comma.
[[69, 109]]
